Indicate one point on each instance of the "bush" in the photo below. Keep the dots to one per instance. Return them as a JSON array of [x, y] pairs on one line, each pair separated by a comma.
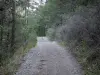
[[51, 34], [81, 33]]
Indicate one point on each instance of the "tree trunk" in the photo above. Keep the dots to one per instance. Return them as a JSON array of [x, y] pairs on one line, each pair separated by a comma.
[[7, 43], [13, 26], [1, 35]]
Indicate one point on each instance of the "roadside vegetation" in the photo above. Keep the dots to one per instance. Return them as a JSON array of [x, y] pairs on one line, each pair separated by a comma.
[[75, 24], [17, 33], [11, 64]]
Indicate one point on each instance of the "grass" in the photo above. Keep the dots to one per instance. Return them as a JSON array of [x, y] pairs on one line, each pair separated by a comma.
[[62, 44], [11, 65], [85, 55]]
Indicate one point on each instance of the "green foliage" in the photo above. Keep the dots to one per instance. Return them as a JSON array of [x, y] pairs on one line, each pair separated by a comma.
[[51, 34], [76, 23], [10, 66], [17, 29]]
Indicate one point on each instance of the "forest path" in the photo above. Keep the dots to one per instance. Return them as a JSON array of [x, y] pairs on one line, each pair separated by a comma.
[[48, 58]]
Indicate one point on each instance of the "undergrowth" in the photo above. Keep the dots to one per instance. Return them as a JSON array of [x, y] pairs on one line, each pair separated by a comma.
[[88, 58], [11, 65]]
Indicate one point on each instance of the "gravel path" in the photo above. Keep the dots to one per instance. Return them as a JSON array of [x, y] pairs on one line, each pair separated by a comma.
[[48, 58]]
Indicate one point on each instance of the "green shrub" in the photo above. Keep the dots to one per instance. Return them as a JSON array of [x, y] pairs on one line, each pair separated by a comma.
[[10, 65]]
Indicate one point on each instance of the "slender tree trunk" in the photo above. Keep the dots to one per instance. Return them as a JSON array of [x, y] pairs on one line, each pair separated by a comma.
[[26, 16], [1, 35], [13, 26], [7, 44]]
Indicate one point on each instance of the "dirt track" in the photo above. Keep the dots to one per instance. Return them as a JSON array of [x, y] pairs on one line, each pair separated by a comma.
[[48, 58]]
